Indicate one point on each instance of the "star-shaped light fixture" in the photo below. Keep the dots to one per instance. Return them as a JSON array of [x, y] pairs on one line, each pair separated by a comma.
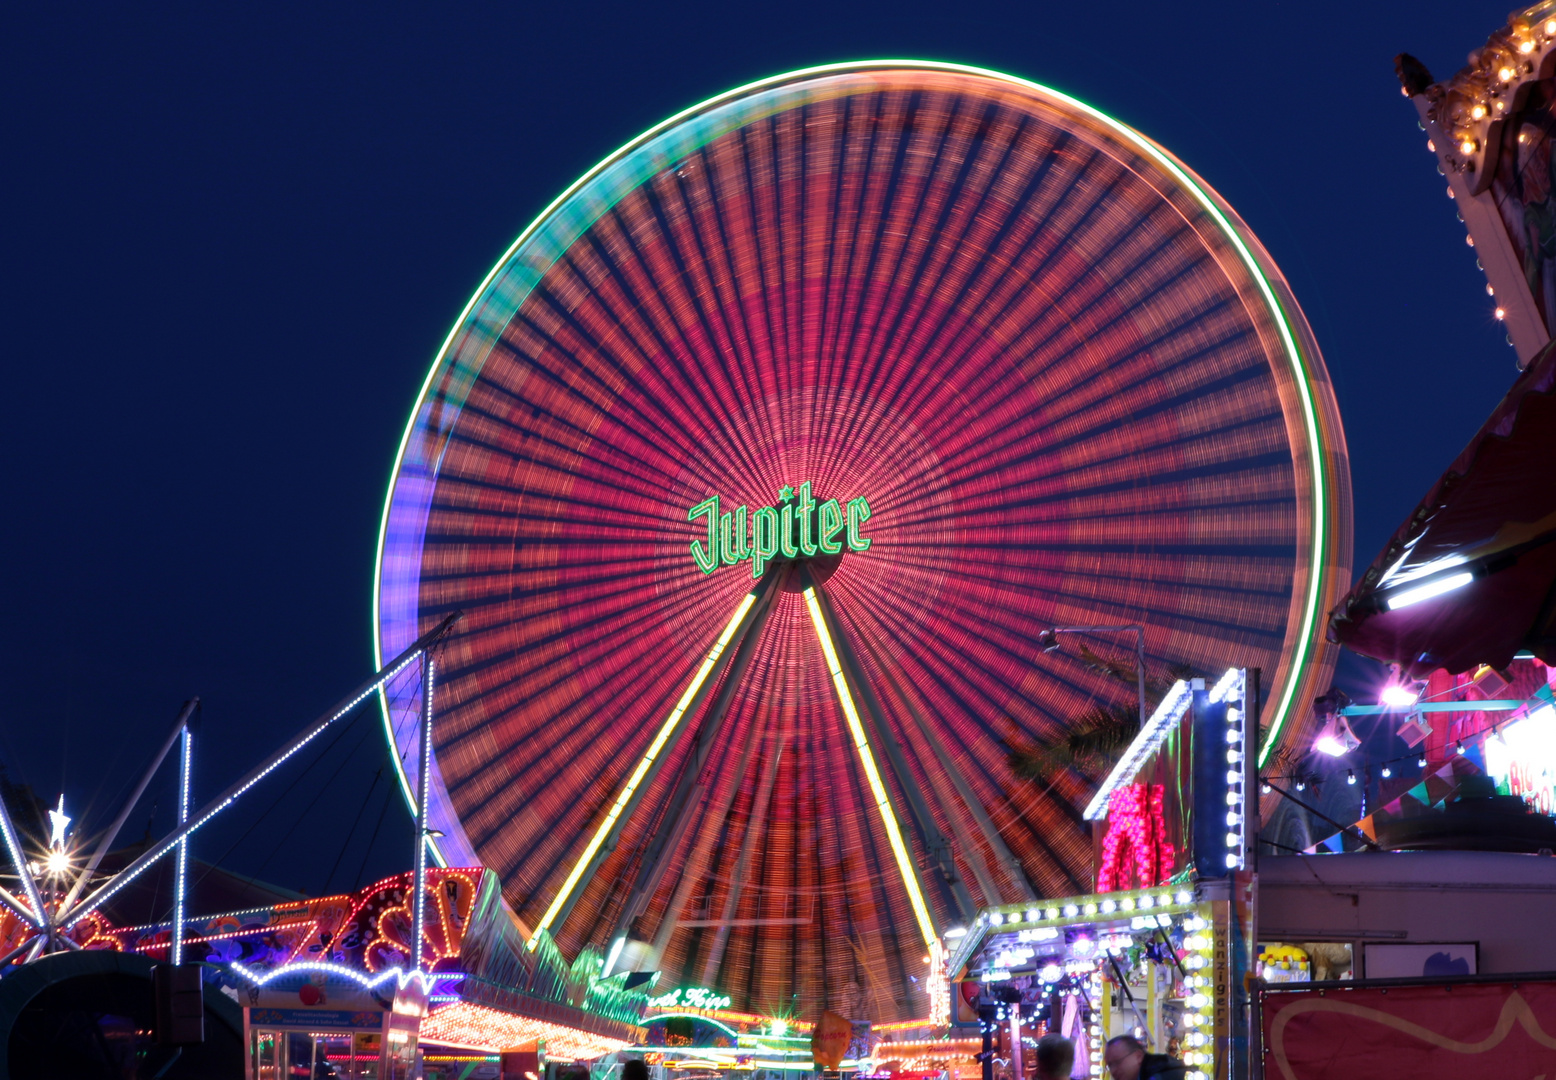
[[785, 493], [58, 823]]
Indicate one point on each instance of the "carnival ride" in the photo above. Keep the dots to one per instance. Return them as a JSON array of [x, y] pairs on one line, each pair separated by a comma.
[[760, 464]]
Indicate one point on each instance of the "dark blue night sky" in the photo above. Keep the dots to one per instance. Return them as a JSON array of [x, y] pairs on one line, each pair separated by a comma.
[[234, 239]]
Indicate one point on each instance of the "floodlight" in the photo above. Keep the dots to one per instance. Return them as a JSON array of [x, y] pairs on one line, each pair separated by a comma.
[[1336, 739]]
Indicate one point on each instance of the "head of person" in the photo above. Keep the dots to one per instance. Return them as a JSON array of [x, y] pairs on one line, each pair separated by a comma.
[[1123, 1056], [634, 1069], [1055, 1057]]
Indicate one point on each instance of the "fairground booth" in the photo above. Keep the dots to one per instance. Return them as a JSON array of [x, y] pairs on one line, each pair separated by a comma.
[[334, 986], [1160, 950]]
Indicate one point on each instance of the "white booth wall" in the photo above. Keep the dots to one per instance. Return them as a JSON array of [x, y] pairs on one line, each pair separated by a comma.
[[1505, 902]]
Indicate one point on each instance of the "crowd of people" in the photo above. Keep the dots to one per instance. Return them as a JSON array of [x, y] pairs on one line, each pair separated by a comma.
[[1125, 1056]]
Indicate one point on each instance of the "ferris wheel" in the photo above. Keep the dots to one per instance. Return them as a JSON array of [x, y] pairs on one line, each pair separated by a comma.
[[760, 464]]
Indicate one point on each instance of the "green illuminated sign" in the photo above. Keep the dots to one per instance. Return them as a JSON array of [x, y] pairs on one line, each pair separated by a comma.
[[690, 997], [796, 528]]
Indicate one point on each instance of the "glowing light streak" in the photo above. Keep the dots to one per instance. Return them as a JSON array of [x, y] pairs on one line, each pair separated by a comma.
[[37, 917], [1233, 689], [1407, 597], [17, 907], [899, 849], [166, 844], [627, 792], [423, 783], [467, 1025], [731, 1032], [399, 976], [1066, 912], [181, 868], [1160, 725]]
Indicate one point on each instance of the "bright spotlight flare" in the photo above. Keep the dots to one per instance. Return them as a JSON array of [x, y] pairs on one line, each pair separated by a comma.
[[1399, 696], [1336, 739], [58, 860]]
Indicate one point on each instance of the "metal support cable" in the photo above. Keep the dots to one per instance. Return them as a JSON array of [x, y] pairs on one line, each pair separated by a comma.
[[258, 773]]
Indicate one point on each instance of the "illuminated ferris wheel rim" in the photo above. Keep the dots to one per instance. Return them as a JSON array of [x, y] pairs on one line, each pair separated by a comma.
[[720, 108]]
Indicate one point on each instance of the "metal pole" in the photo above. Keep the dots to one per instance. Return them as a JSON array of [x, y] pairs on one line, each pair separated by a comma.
[[255, 775], [18, 908], [181, 870], [423, 787], [140, 789], [39, 915]]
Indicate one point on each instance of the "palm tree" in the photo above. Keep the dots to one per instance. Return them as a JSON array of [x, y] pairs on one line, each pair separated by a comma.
[[1095, 739]]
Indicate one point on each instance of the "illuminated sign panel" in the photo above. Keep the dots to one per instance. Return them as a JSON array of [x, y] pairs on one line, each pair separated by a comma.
[[1521, 757], [690, 997], [798, 527]]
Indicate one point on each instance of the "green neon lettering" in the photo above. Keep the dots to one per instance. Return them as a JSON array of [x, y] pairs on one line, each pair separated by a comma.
[[805, 511], [830, 519], [858, 514], [796, 526], [764, 540], [707, 558], [786, 532], [726, 545], [742, 549]]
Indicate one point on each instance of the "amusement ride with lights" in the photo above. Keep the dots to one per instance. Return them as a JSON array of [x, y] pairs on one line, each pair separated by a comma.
[[759, 466]]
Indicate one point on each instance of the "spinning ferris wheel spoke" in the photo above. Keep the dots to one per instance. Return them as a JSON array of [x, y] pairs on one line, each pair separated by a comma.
[[604, 837], [1066, 382]]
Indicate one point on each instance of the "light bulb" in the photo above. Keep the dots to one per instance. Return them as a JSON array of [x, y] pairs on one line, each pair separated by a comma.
[[1387, 772], [1460, 746], [1350, 776], [1264, 789], [1467, 146]]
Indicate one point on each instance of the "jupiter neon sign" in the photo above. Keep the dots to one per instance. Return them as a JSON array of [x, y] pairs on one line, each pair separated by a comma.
[[797, 528]]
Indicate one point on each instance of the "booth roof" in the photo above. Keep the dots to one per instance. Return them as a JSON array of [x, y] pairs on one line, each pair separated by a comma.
[[1492, 515]]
